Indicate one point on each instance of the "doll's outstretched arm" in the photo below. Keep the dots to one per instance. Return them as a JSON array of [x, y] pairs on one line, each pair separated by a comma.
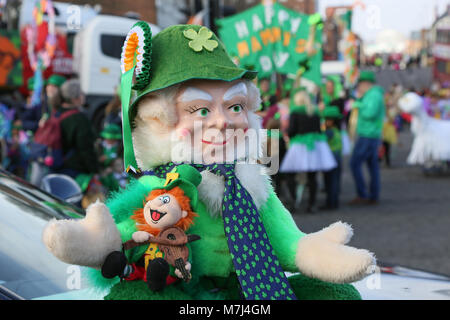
[[323, 255], [84, 242]]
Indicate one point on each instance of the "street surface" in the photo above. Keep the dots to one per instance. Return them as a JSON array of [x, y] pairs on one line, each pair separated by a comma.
[[411, 224]]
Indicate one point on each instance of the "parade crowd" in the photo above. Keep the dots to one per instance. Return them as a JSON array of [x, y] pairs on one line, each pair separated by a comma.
[[318, 130], [51, 133]]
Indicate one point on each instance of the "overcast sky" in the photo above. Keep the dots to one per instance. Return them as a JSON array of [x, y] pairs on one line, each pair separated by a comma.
[[402, 15]]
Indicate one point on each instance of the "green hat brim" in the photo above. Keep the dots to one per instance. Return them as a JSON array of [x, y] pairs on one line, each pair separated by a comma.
[[188, 188], [173, 61]]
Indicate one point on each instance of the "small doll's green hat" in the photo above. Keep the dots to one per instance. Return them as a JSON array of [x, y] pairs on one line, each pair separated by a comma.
[[187, 178], [176, 54], [331, 112], [111, 131]]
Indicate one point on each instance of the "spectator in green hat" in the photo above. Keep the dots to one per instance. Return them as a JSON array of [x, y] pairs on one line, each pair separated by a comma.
[[53, 91], [371, 110]]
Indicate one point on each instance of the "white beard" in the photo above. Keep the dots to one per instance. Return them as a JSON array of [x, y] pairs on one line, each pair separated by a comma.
[[252, 178], [154, 147]]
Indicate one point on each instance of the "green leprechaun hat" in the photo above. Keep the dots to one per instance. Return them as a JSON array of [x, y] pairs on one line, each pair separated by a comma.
[[176, 54], [187, 178], [331, 112]]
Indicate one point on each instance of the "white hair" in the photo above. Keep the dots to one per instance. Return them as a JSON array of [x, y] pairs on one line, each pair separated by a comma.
[[303, 98], [71, 90]]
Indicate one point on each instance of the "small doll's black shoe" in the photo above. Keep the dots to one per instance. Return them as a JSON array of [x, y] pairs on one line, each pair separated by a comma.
[[114, 265], [157, 272]]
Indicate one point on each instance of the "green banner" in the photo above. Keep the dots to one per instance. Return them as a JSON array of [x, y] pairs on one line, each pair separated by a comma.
[[270, 38]]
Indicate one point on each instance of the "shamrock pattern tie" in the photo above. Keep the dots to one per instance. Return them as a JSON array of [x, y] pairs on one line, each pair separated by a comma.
[[257, 267]]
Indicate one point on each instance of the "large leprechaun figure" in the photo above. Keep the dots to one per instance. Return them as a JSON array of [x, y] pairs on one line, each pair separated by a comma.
[[185, 101]]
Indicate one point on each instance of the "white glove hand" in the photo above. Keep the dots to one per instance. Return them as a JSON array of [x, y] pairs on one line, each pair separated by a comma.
[[178, 272], [84, 242], [324, 255], [141, 236]]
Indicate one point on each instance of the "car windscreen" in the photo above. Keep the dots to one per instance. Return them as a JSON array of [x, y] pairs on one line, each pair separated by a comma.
[[27, 268]]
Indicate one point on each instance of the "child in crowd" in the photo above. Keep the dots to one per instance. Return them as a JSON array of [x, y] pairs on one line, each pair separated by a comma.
[[389, 136], [17, 151], [332, 117]]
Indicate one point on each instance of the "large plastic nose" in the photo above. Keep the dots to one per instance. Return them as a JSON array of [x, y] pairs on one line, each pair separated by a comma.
[[219, 120]]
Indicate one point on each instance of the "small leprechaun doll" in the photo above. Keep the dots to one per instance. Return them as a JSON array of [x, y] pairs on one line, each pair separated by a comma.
[[162, 254], [184, 101]]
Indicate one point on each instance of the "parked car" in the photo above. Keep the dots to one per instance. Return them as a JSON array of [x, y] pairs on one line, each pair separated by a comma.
[[29, 271]]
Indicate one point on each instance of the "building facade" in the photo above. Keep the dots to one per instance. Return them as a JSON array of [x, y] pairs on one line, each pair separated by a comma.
[[440, 46], [145, 8]]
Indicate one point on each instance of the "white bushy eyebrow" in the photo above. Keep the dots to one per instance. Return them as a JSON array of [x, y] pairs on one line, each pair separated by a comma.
[[239, 89], [191, 94]]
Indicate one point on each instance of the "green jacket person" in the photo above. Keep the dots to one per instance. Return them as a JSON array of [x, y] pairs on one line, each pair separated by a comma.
[[192, 104]]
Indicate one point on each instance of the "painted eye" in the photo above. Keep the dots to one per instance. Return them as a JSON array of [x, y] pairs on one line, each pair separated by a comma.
[[236, 108], [203, 112], [165, 199]]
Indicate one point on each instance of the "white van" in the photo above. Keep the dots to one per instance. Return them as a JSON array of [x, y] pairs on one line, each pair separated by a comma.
[[97, 51], [69, 18]]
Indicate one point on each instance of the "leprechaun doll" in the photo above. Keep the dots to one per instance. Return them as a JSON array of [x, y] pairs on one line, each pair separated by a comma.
[[185, 101], [161, 223]]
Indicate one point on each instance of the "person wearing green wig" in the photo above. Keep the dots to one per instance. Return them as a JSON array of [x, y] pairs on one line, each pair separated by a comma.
[[182, 98]]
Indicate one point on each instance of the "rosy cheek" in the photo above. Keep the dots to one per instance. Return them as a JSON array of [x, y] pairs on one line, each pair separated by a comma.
[[183, 133]]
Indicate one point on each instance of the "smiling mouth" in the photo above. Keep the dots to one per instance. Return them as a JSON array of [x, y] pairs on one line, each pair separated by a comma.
[[157, 215], [220, 143], [215, 144]]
